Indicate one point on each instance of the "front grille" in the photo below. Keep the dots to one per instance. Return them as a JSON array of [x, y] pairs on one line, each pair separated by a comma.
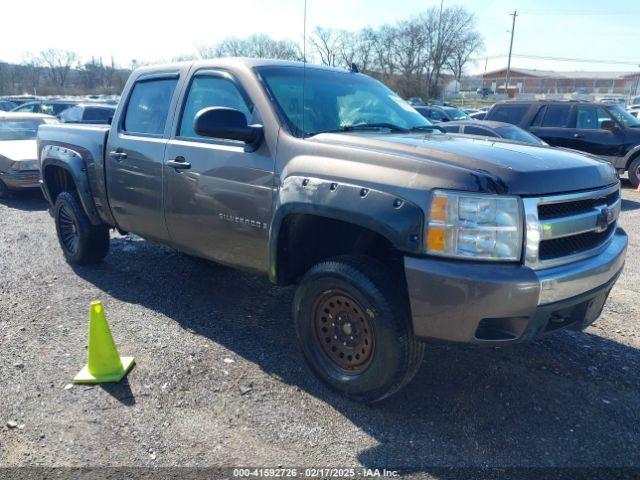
[[565, 246], [555, 210], [567, 227]]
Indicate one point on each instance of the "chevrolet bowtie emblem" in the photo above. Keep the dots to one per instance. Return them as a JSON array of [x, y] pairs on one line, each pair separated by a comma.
[[602, 220]]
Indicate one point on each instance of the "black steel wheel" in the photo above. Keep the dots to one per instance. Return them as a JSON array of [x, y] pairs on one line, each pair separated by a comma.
[[354, 328]]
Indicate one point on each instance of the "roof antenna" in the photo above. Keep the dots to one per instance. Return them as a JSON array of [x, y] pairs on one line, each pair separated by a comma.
[[354, 68], [304, 60]]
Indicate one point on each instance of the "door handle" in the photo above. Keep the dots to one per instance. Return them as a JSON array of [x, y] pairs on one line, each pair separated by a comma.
[[179, 163], [577, 135], [119, 156]]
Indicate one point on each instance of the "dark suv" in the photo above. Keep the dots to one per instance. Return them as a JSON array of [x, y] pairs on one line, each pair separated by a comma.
[[605, 130]]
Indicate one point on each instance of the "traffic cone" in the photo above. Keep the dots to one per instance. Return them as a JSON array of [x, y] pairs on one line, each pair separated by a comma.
[[104, 365]]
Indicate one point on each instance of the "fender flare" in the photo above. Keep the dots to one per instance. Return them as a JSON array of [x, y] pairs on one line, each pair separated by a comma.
[[73, 163], [396, 219]]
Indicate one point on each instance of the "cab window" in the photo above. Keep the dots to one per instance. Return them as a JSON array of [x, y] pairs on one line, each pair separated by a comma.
[[210, 91], [148, 106]]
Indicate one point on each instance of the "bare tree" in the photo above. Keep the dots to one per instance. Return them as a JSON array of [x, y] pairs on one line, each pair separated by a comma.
[[255, 46], [59, 63], [462, 52], [327, 43]]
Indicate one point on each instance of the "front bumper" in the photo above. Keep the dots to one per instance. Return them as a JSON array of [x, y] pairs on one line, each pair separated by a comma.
[[477, 302], [20, 180]]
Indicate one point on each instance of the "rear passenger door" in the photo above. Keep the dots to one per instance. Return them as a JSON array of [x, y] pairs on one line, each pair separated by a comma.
[[218, 193], [135, 153], [553, 124]]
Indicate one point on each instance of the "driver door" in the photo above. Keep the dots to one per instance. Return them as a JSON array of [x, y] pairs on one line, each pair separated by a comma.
[[218, 193]]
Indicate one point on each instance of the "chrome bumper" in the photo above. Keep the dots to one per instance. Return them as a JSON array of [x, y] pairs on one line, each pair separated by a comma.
[[566, 281]]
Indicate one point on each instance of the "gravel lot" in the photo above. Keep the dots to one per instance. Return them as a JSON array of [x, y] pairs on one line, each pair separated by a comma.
[[219, 379]]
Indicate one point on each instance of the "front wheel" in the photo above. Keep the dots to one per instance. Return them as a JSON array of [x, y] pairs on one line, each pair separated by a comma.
[[353, 325], [82, 242], [634, 172]]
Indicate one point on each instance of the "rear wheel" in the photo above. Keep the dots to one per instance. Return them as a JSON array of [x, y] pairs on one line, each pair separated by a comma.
[[82, 242], [634, 172], [353, 325]]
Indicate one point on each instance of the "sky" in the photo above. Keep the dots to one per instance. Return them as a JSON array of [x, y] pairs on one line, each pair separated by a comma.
[[152, 31]]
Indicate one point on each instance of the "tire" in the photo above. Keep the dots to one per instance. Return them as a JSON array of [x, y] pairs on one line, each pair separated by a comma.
[[634, 172], [4, 190], [357, 299], [82, 243]]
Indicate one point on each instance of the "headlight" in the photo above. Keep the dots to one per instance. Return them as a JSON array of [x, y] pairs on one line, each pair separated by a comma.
[[21, 165], [486, 227]]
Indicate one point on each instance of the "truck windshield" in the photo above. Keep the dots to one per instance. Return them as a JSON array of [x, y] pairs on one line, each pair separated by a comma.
[[337, 101]]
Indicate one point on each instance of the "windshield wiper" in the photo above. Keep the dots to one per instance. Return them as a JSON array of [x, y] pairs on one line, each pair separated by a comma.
[[363, 127]]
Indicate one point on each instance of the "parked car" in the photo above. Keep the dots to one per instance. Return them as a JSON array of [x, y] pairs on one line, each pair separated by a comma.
[[492, 129], [438, 114], [605, 130], [18, 150], [479, 115], [48, 107], [416, 101], [485, 91], [394, 232], [88, 113], [6, 105], [634, 112]]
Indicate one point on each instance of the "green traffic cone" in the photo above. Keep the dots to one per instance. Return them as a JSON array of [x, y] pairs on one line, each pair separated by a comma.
[[104, 365]]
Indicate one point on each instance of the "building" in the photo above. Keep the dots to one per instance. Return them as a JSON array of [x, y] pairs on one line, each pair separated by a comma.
[[529, 81]]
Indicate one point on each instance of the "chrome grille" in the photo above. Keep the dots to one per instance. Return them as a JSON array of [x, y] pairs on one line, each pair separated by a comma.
[[565, 228]]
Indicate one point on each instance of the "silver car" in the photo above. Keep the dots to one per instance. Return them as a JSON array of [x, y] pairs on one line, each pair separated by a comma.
[[19, 151]]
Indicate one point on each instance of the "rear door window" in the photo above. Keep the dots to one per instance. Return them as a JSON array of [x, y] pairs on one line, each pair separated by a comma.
[[509, 113], [451, 128], [556, 116], [148, 106]]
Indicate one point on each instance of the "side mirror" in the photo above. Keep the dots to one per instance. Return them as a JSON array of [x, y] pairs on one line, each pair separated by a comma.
[[228, 124], [608, 125]]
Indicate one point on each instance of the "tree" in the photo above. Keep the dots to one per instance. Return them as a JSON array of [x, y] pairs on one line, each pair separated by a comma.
[[254, 46], [462, 52], [59, 62], [328, 44]]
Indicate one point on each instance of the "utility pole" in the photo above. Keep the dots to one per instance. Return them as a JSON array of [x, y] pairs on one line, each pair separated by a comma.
[[513, 27]]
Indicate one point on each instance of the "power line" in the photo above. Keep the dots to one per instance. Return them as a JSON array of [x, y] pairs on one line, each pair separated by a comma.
[[562, 59]]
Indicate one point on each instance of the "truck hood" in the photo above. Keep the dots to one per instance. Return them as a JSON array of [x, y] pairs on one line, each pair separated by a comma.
[[19, 149], [507, 166]]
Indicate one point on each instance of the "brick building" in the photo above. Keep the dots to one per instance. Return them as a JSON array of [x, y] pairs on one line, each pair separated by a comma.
[[527, 81]]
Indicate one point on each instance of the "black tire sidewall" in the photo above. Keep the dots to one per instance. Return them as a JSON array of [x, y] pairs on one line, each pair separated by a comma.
[[390, 334], [83, 227], [633, 178]]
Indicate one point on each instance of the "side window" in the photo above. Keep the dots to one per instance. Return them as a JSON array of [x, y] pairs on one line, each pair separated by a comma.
[[148, 106], [97, 114], [556, 116], [436, 114], [537, 121], [451, 128], [591, 118], [509, 113], [210, 91], [473, 130]]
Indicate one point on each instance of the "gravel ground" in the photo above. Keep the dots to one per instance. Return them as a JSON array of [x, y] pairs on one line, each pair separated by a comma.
[[219, 379]]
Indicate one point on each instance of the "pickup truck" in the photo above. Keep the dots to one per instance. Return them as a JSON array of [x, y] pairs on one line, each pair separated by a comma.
[[395, 233], [603, 129]]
